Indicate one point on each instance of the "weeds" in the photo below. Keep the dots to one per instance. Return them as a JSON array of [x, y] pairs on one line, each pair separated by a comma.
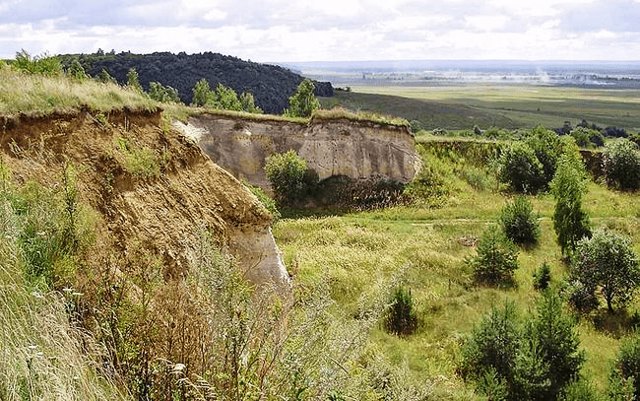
[[139, 161]]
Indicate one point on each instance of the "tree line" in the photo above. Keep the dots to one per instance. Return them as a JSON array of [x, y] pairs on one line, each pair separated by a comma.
[[270, 85]]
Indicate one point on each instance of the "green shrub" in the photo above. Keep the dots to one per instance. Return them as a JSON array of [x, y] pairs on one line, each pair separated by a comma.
[[570, 221], [579, 390], [622, 165], [164, 94], [581, 296], [290, 179], [133, 80], [491, 385], [42, 64], [432, 186], [627, 365], [607, 260], [547, 147], [542, 277], [478, 178], [620, 388], [401, 317], [520, 169], [496, 259], [519, 222]]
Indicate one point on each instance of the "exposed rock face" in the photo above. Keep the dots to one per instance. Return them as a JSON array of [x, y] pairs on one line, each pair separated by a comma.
[[162, 213], [341, 147]]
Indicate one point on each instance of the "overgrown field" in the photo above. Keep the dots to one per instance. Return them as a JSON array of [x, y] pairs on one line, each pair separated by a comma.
[[508, 106], [428, 246]]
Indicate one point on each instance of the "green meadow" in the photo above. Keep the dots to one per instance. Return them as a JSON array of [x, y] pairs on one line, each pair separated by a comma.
[[504, 106], [427, 246]]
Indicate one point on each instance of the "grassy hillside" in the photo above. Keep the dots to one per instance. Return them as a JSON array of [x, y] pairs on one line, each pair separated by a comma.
[[37, 95], [355, 250], [462, 107]]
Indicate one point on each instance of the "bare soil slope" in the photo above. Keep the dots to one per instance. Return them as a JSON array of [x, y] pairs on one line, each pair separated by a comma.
[[151, 187]]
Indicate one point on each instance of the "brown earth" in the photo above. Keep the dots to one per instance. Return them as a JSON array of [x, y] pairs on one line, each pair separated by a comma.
[[160, 207]]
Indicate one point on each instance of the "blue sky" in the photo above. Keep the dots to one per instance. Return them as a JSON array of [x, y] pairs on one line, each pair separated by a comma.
[[279, 30]]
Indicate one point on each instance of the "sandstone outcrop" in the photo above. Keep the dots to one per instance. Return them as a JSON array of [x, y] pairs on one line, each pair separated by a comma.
[[331, 147]]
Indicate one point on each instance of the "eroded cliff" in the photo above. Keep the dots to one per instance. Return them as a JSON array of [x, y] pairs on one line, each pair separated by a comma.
[[151, 187], [331, 147]]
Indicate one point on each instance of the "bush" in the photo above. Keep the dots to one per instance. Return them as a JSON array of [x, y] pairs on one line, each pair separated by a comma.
[[289, 176], [401, 317], [542, 277], [164, 94], [520, 169], [615, 132], [608, 261], [42, 64], [579, 390], [581, 296], [622, 165], [496, 259], [627, 364], [548, 148], [519, 223]]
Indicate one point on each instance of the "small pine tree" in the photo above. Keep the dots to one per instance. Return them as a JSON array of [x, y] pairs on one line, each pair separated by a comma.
[[248, 103], [106, 78], [570, 221], [496, 259], [201, 93], [133, 81], [76, 71], [555, 332], [303, 102], [579, 390], [519, 223], [401, 317], [542, 277], [493, 345], [628, 362]]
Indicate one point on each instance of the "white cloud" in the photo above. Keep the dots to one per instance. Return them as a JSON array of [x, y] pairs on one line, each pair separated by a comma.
[[281, 30]]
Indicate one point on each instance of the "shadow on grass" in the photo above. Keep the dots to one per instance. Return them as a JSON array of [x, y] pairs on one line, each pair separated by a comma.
[[617, 323]]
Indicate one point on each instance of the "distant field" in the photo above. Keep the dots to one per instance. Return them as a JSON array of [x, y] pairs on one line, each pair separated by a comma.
[[507, 106]]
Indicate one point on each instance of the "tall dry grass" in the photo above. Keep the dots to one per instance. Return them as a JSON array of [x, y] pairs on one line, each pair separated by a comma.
[[39, 95], [42, 355]]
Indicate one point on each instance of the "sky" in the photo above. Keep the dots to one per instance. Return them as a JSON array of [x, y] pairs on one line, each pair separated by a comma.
[[329, 30]]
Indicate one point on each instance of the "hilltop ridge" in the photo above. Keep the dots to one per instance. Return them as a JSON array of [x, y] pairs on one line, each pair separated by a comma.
[[271, 85]]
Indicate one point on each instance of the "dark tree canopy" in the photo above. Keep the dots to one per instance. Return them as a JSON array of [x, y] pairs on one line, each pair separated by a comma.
[[270, 85]]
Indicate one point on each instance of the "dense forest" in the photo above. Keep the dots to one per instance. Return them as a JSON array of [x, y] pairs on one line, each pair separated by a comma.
[[271, 85]]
